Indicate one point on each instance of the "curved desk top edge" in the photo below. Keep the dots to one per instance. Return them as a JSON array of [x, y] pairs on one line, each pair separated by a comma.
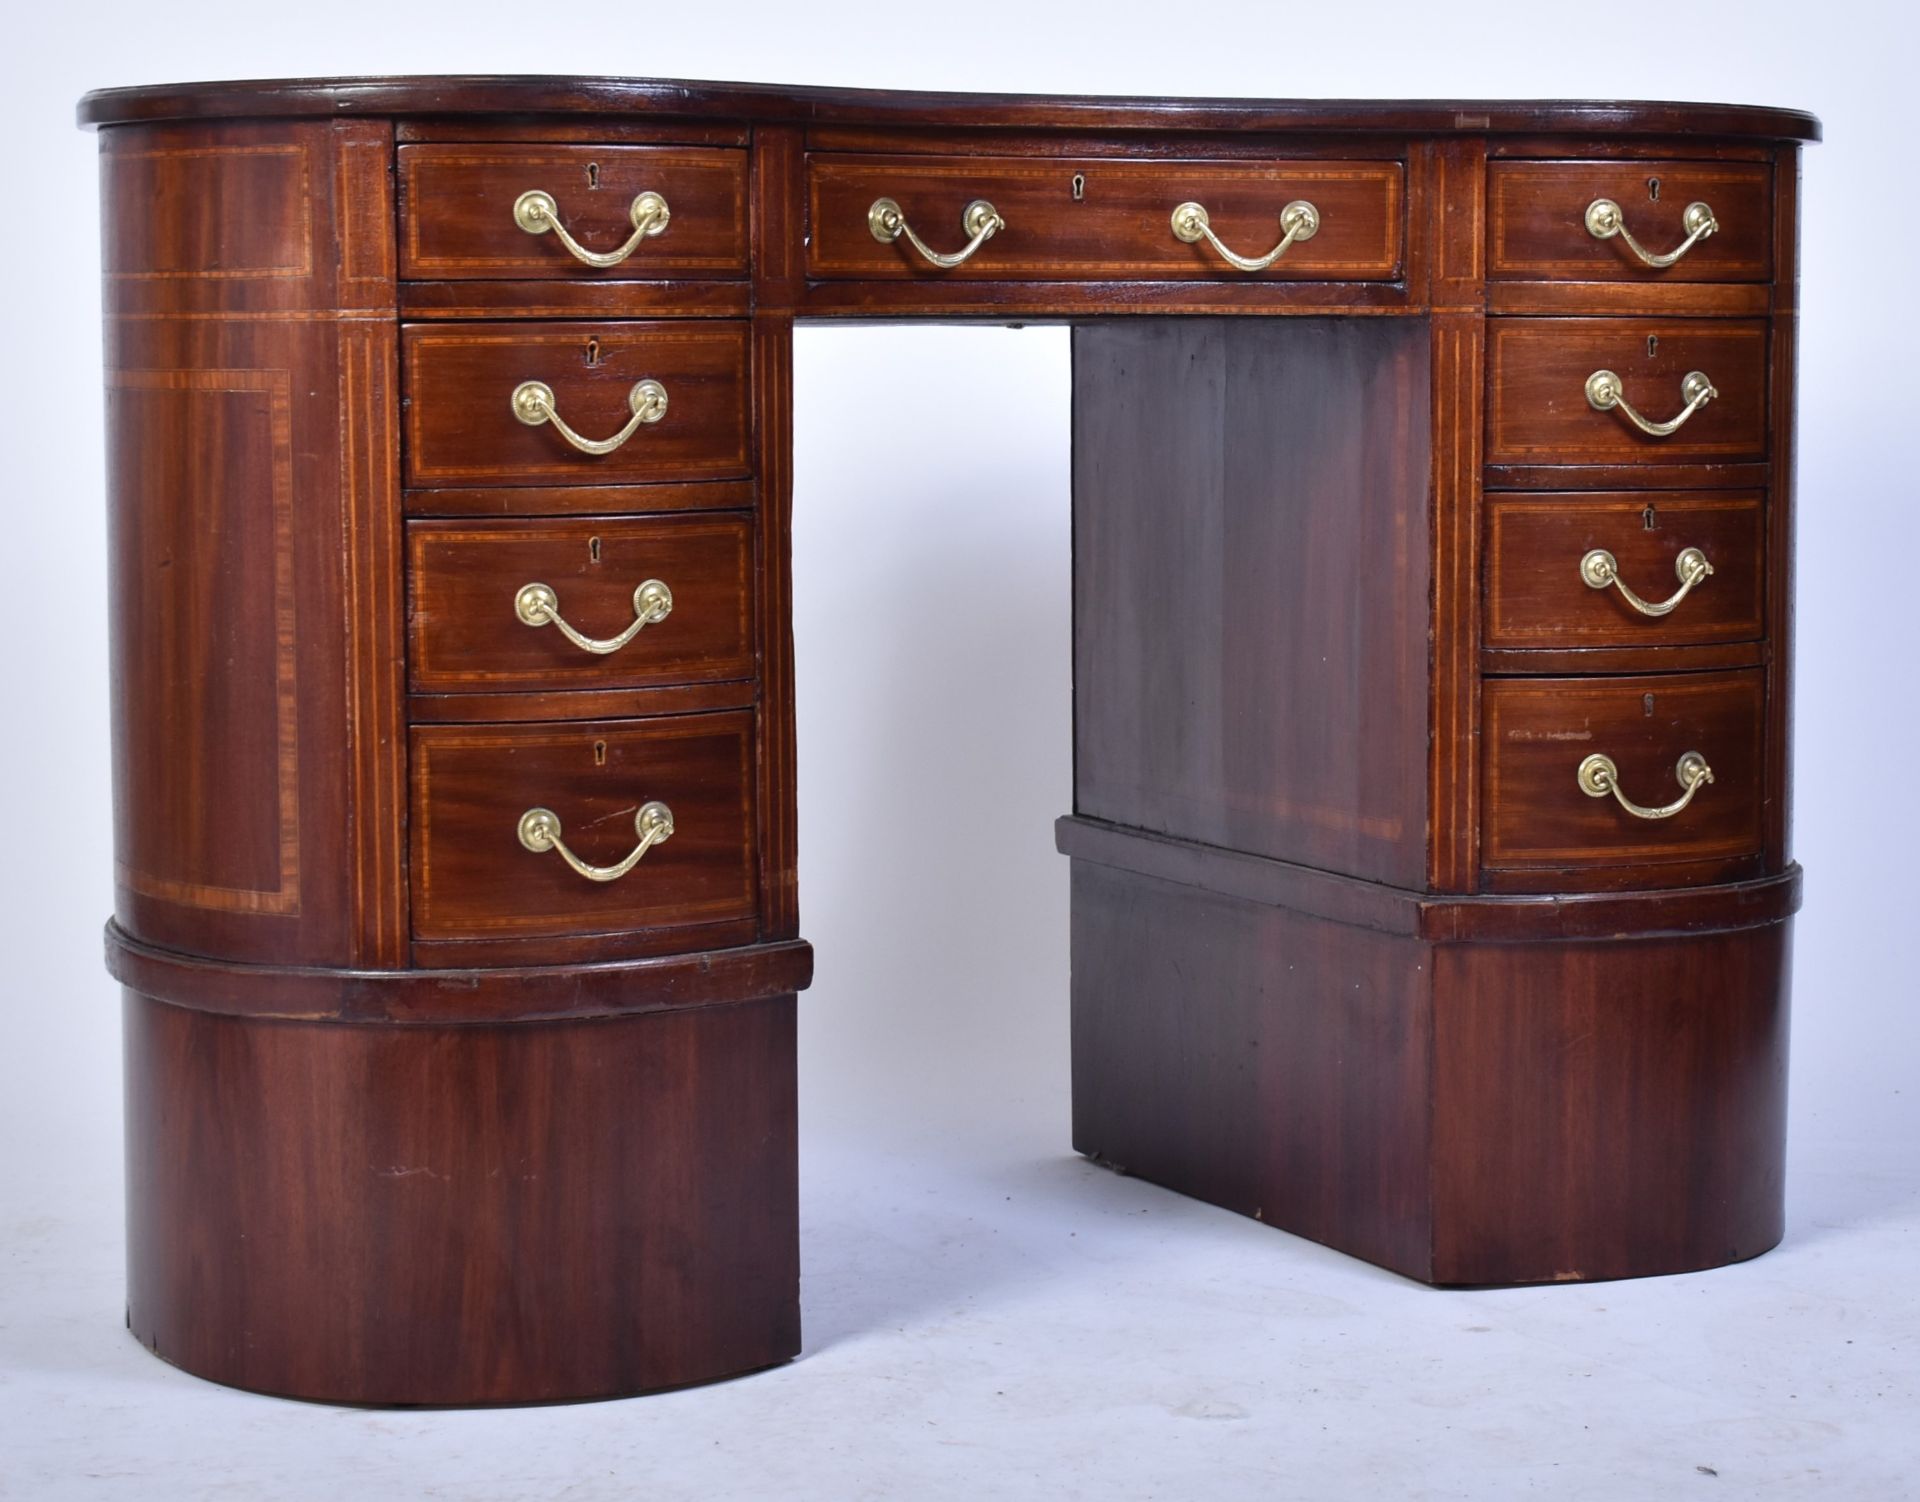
[[777, 103]]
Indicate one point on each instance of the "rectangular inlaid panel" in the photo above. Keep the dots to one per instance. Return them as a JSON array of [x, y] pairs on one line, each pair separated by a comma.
[[461, 423], [219, 828], [473, 878], [1537, 595], [1537, 220], [1101, 217], [239, 209], [1250, 585], [465, 581], [1538, 370], [457, 210], [1538, 731]]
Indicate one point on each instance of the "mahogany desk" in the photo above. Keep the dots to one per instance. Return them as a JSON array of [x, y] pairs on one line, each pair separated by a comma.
[[1433, 609]]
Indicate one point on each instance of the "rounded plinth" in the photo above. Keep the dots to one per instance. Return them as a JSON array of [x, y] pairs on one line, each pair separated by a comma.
[[463, 1214]]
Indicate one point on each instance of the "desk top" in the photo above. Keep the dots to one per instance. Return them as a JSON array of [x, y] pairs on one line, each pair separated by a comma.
[[780, 103]]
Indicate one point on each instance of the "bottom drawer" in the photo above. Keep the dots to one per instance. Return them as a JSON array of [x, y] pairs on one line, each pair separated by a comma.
[[487, 866], [1552, 808]]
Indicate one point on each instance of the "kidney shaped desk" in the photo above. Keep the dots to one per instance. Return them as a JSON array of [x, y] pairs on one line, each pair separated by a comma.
[[1432, 610]]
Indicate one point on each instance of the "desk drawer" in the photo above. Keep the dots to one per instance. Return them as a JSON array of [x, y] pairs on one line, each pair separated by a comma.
[[478, 620], [1538, 216], [1539, 732], [464, 422], [1097, 219], [1540, 372], [458, 217], [474, 877], [1541, 590]]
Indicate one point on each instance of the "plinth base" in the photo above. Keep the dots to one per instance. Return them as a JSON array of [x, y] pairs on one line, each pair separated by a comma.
[[1552, 1097], [488, 1213]]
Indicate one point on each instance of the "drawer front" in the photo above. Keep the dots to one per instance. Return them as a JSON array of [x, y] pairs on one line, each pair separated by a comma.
[[1544, 588], [457, 211], [1539, 731], [478, 621], [473, 877], [1538, 213], [1539, 369], [463, 426], [1120, 226]]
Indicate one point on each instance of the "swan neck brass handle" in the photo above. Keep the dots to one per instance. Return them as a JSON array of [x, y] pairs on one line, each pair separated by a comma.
[[1299, 221], [537, 213], [1604, 221], [887, 222], [1599, 570], [540, 832], [1607, 393], [538, 605], [1599, 777], [533, 405]]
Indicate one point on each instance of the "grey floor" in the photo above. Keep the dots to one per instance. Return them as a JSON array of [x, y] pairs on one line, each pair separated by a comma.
[[988, 1316]]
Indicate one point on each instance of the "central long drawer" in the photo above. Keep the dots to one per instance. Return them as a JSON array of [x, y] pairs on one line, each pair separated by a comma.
[[1098, 218]]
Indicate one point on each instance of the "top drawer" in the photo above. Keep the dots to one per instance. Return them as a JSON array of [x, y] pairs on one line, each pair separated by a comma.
[[1096, 219], [459, 218], [1550, 221]]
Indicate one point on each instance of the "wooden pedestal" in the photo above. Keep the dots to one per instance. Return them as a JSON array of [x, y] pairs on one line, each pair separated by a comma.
[[1495, 1111]]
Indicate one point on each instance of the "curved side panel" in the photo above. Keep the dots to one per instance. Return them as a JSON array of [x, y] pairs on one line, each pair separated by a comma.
[[250, 392], [461, 1215]]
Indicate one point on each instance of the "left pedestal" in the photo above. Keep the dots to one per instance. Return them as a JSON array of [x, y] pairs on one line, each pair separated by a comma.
[[416, 1113]]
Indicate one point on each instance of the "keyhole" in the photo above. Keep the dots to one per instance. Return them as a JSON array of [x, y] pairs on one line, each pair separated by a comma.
[[1079, 186], [1649, 520], [1653, 345], [600, 749], [593, 352], [1646, 703], [1653, 189], [593, 543], [593, 175]]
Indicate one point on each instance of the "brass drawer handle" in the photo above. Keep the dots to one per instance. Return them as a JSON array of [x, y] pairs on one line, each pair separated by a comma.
[[1604, 221], [886, 223], [1599, 569], [1605, 393], [1599, 777], [536, 213], [538, 605], [533, 405], [540, 832], [1299, 221]]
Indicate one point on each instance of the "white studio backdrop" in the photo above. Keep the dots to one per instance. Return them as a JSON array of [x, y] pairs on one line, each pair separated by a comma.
[[931, 540]]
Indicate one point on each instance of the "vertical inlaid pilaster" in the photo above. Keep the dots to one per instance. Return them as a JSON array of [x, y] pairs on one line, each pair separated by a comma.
[[1776, 817], [778, 237], [1455, 220], [363, 240], [773, 608]]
